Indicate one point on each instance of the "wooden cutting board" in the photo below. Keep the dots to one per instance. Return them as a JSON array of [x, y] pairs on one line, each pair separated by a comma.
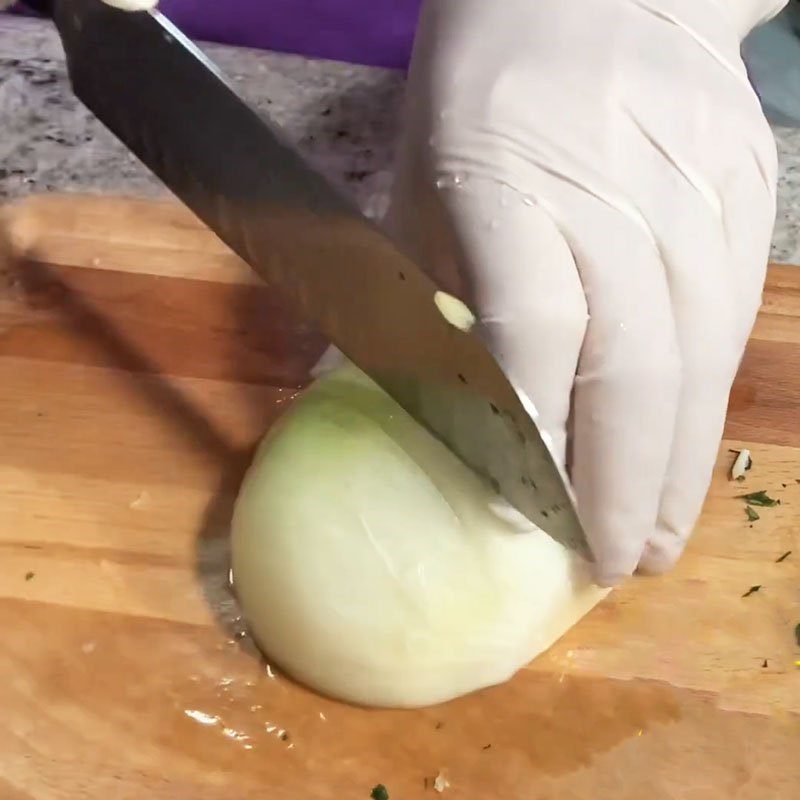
[[139, 363]]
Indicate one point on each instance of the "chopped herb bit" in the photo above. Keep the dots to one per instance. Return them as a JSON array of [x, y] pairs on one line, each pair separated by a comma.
[[752, 514], [765, 664], [486, 747], [759, 499], [379, 792], [797, 633], [783, 557], [29, 575], [752, 590]]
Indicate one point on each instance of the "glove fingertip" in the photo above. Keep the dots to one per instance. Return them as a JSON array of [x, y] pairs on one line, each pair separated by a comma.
[[661, 554], [610, 571], [609, 580]]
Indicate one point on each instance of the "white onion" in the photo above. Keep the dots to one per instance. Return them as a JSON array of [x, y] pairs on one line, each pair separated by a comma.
[[372, 565], [743, 463]]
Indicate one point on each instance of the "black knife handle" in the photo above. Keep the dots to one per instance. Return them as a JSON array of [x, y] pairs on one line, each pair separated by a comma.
[[44, 7]]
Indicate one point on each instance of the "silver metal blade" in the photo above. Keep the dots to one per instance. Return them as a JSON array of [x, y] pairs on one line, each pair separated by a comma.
[[171, 106]]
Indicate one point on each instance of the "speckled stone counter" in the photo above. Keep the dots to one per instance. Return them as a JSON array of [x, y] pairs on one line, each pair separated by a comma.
[[343, 117]]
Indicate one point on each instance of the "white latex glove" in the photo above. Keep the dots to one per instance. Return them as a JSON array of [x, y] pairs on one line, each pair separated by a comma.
[[132, 5], [597, 180]]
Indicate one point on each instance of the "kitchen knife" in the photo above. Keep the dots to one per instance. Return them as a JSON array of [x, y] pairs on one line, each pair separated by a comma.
[[235, 169]]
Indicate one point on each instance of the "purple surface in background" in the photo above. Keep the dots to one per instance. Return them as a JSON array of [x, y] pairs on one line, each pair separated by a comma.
[[375, 32]]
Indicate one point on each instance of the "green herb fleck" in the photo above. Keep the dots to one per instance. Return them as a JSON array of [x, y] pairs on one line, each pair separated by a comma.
[[797, 633], [29, 576], [752, 590], [759, 499], [752, 514], [783, 557], [379, 792]]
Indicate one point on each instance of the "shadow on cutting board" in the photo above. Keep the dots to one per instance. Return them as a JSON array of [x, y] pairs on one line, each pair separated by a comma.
[[78, 315]]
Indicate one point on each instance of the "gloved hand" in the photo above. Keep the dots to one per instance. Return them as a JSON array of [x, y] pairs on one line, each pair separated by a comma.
[[598, 181]]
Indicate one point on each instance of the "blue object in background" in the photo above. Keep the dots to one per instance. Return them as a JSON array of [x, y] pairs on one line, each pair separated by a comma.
[[772, 54]]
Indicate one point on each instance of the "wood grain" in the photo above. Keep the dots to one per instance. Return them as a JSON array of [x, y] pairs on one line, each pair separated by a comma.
[[139, 364]]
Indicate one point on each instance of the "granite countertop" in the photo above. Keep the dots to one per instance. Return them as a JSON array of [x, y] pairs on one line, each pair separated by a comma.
[[343, 117]]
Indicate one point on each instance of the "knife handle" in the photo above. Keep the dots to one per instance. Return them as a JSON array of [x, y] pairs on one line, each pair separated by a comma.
[[44, 7]]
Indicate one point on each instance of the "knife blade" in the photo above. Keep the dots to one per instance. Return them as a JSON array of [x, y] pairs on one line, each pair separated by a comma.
[[173, 108]]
